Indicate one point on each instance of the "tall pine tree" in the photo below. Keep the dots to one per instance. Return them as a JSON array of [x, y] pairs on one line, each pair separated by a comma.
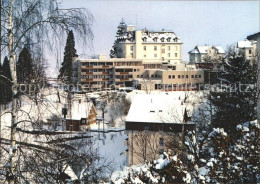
[[235, 101], [5, 82], [121, 30], [24, 67], [6, 68], [69, 53]]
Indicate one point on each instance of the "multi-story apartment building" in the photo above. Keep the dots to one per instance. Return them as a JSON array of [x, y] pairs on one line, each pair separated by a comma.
[[138, 56], [170, 79], [149, 46], [103, 72], [249, 46]]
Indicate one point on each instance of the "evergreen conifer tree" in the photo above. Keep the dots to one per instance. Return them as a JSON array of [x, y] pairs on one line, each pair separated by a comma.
[[24, 66], [6, 68], [121, 29], [236, 98], [5, 83], [69, 53]]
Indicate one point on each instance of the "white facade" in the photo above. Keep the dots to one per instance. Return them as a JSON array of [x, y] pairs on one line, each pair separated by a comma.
[[150, 46], [199, 53], [249, 46]]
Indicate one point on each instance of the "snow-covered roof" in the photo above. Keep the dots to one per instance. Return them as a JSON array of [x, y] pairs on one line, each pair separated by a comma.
[[203, 49], [160, 36], [245, 44], [156, 109], [220, 49]]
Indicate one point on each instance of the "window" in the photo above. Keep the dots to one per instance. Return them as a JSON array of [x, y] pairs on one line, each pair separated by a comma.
[[145, 48], [199, 76], [187, 76], [132, 55], [83, 121], [155, 55], [176, 55], [155, 39], [152, 76], [131, 47], [179, 76], [155, 47], [250, 51], [137, 76], [161, 151], [169, 76], [144, 55], [144, 39], [134, 70], [169, 47], [162, 39], [173, 76], [196, 76], [161, 141], [169, 54], [182, 76], [163, 51], [192, 76]]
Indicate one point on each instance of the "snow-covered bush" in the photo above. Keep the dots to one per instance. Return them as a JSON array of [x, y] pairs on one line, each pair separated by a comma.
[[215, 158], [167, 169]]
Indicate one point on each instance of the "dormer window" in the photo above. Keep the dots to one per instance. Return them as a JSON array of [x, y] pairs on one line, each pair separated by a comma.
[[162, 39], [144, 39], [175, 39], [168, 39], [155, 39]]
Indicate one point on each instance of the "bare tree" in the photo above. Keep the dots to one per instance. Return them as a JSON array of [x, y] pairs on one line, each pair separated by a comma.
[[32, 20], [145, 146]]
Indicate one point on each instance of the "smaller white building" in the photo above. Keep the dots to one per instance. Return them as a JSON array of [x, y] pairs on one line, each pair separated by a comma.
[[249, 46], [199, 53]]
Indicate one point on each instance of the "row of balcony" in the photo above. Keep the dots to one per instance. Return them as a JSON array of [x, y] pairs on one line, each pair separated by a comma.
[[96, 73], [96, 66], [95, 80]]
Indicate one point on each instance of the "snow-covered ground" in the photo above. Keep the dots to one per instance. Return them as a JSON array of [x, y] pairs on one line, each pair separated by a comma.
[[110, 142]]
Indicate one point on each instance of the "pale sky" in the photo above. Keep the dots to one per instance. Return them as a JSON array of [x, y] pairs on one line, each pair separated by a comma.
[[195, 22]]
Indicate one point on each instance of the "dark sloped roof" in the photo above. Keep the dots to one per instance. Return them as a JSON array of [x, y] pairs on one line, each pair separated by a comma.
[[253, 36]]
